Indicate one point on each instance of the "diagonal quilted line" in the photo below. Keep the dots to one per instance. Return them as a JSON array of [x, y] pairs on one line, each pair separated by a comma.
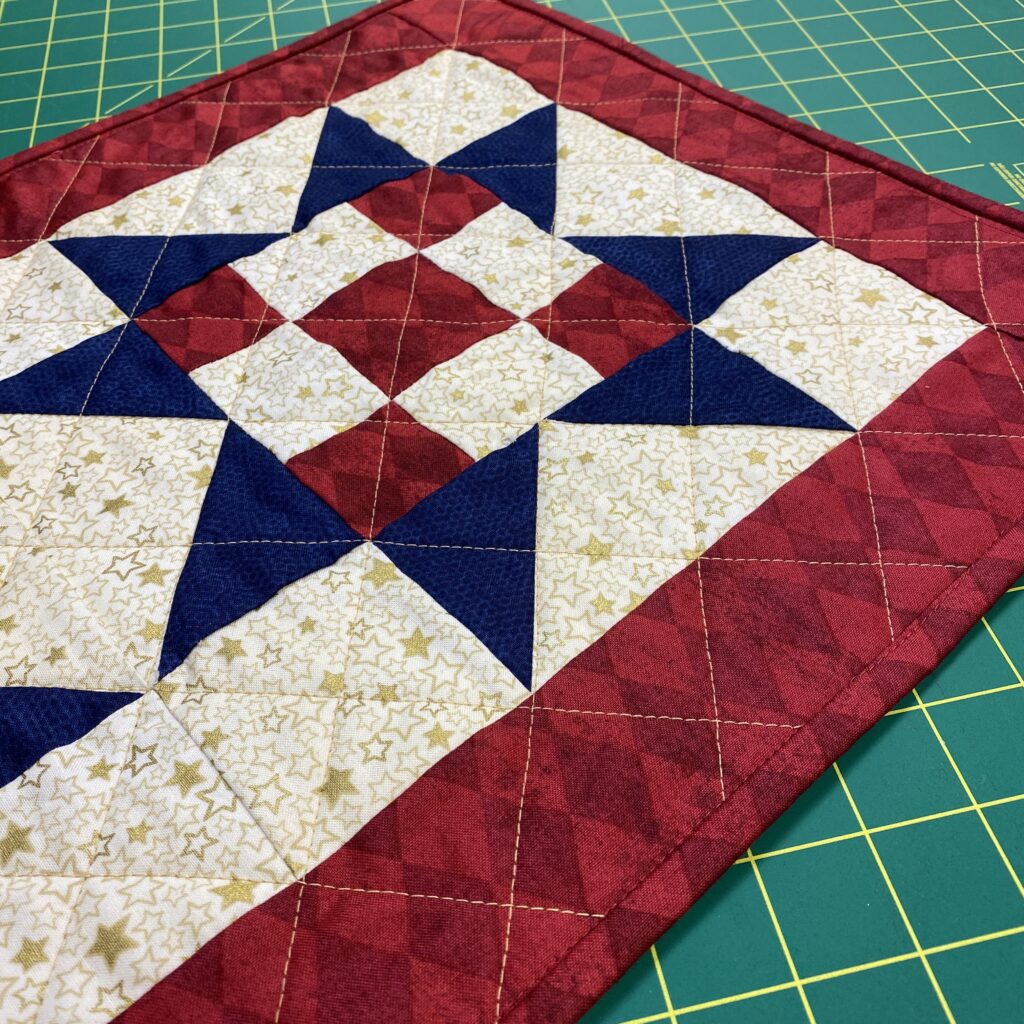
[[253, 820], [692, 458], [373, 512], [452, 899], [988, 311], [666, 718], [536, 626], [915, 631], [878, 538], [46, 230], [850, 388], [524, 551]]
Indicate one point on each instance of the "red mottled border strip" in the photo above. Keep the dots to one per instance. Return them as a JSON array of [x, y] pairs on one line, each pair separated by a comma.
[[520, 876]]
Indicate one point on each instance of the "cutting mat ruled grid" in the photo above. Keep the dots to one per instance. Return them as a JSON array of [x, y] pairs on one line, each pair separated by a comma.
[[892, 891]]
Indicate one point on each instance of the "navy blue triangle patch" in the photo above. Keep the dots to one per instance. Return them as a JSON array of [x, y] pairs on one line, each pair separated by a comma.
[[121, 372], [59, 384], [470, 545], [717, 265], [140, 271], [517, 164], [351, 158], [727, 388], [37, 719], [252, 497]]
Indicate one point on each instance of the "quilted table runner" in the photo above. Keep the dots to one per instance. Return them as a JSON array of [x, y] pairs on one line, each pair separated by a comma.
[[460, 480]]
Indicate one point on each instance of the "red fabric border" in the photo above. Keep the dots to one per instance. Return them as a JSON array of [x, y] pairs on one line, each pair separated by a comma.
[[869, 567]]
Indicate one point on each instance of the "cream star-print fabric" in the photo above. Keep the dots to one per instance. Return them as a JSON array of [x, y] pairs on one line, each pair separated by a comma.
[[329, 486]]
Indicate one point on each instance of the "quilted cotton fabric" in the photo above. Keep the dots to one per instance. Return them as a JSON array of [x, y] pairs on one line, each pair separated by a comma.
[[460, 480]]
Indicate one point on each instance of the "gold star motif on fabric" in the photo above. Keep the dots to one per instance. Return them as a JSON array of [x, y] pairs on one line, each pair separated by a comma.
[[729, 333], [56, 654], [214, 737], [115, 505], [337, 783], [101, 769], [139, 833], [154, 574], [7, 624], [333, 683], [141, 759], [231, 649], [202, 476], [15, 840], [111, 942], [595, 550], [31, 953], [185, 776], [417, 645], [236, 891], [380, 573], [386, 692], [5, 469], [151, 631], [871, 297], [602, 605], [438, 737], [756, 457]]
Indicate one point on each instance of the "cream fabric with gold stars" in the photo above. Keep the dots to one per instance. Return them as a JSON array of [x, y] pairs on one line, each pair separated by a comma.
[[443, 104], [47, 305], [254, 186], [851, 334]]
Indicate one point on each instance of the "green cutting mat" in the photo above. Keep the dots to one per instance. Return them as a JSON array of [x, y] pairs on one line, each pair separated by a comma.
[[891, 892]]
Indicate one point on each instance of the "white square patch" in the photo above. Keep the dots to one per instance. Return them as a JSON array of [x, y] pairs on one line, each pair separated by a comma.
[[442, 105], [297, 273], [514, 263], [487, 396], [851, 334], [290, 391]]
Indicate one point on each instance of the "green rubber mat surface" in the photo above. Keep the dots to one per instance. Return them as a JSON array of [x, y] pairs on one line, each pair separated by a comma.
[[891, 892]]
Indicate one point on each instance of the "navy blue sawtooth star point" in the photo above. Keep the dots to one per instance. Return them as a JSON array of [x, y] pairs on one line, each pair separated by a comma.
[[350, 160], [260, 528], [728, 388], [37, 719], [517, 164], [694, 274], [139, 271], [470, 545]]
